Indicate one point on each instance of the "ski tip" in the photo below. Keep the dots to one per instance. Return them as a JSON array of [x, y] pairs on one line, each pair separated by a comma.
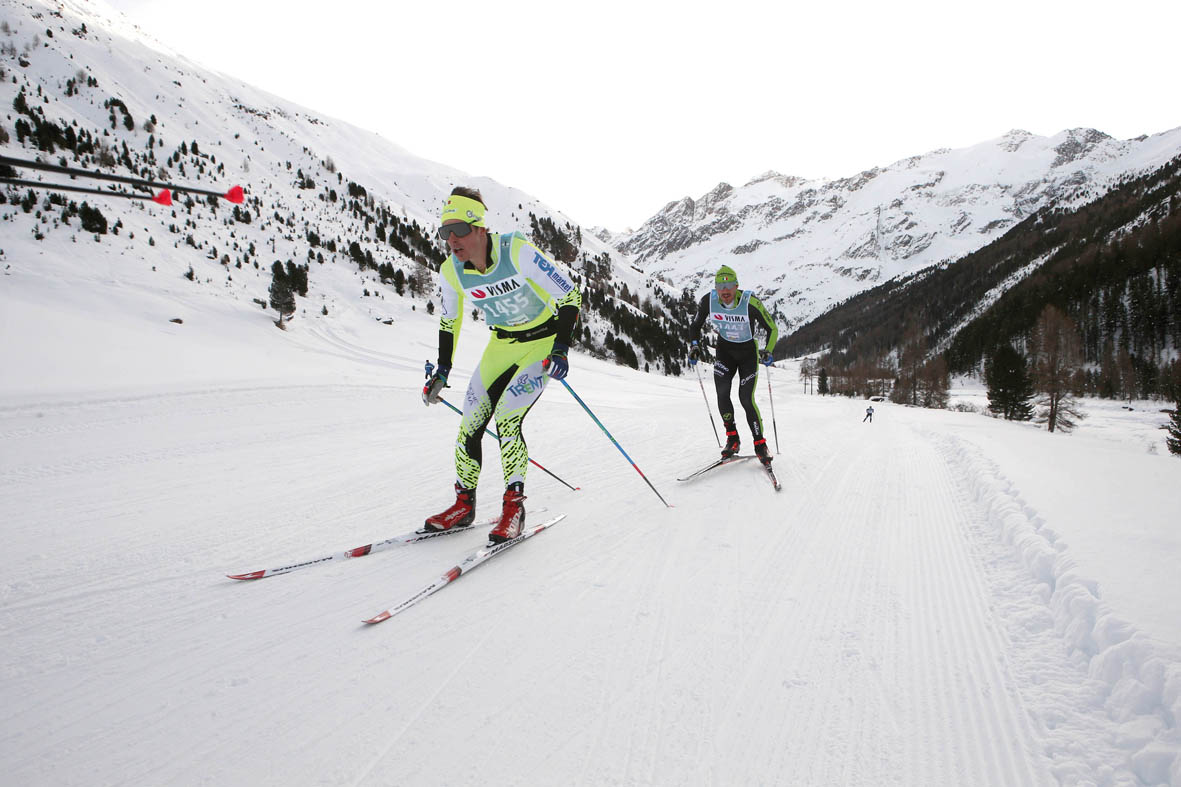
[[251, 575], [163, 198], [378, 618], [235, 195]]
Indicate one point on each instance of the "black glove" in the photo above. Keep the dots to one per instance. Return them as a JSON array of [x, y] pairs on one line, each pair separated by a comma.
[[435, 385], [557, 364], [765, 358], [694, 353]]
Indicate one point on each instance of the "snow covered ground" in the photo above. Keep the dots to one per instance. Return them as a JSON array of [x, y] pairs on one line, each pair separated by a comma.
[[935, 598]]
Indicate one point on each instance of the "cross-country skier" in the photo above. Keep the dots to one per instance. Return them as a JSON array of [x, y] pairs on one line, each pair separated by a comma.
[[735, 313], [868, 414], [531, 306]]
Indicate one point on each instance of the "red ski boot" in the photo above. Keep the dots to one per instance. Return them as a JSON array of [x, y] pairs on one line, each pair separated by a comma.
[[512, 517], [461, 514]]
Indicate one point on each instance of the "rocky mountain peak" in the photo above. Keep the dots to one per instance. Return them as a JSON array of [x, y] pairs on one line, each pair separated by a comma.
[[806, 245]]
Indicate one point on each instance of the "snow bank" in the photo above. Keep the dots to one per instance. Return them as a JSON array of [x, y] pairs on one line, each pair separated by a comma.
[[1140, 677]]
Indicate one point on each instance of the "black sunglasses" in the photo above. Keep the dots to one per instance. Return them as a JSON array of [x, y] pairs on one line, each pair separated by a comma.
[[459, 229]]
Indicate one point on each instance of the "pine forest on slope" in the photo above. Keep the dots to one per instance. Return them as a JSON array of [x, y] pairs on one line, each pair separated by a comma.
[[90, 95], [1112, 265]]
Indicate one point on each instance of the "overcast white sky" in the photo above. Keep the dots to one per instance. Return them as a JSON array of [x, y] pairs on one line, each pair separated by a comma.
[[609, 110]]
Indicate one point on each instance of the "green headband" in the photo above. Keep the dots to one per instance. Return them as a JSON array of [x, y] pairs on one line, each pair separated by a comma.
[[463, 208]]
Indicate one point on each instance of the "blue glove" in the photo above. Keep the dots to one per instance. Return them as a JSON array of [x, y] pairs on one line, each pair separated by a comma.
[[693, 352], [556, 364], [765, 358], [435, 385]]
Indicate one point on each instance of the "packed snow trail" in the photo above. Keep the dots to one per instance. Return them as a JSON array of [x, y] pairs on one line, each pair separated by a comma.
[[865, 626]]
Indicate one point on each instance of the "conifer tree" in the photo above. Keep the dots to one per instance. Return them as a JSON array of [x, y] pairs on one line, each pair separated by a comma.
[[1010, 388], [92, 219], [282, 295], [1173, 440], [297, 278]]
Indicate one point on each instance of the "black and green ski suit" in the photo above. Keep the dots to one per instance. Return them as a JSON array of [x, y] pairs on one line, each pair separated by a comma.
[[737, 352]]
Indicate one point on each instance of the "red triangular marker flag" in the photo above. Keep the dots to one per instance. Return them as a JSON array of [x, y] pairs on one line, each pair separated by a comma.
[[163, 198], [235, 194]]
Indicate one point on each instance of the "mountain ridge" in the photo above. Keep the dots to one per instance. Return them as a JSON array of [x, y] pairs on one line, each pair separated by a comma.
[[806, 245]]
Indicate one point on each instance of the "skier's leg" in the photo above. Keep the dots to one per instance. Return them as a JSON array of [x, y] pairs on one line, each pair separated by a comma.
[[748, 369], [489, 381], [522, 390], [468, 453], [525, 383], [748, 380], [724, 370]]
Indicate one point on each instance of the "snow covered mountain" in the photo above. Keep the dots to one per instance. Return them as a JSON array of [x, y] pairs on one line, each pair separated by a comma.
[[87, 89], [1001, 608], [806, 245]]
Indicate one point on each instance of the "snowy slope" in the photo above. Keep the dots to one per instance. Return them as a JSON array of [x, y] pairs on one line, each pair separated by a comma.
[[195, 127], [806, 245], [935, 598]]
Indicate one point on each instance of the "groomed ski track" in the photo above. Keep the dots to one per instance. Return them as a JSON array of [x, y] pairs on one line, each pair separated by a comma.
[[869, 625]]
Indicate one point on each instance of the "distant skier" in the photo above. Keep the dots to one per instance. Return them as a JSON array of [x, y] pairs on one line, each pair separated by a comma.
[[735, 313], [531, 305], [868, 414]]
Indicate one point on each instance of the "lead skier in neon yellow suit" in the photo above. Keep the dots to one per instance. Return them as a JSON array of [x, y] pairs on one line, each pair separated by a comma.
[[531, 304]]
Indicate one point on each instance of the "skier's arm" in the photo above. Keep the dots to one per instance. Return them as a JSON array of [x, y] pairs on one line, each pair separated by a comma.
[[450, 313], [699, 319], [758, 313]]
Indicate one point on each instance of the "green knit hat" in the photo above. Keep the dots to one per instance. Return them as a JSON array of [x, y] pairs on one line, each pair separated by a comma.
[[726, 275]]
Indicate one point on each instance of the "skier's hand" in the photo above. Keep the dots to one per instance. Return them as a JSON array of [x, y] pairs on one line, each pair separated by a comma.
[[765, 358], [435, 385], [694, 353], [557, 365]]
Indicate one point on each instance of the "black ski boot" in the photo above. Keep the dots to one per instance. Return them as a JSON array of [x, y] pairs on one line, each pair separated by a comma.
[[732, 443], [762, 452]]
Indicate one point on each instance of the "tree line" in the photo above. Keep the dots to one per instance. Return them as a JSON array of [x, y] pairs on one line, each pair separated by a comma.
[[1111, 267]]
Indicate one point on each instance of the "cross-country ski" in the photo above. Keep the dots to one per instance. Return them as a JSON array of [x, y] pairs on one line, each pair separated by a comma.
[[466, 565], [367, 549], [716, 464]]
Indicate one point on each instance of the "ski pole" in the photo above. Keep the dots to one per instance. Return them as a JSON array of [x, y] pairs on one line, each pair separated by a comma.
[[707, 407], [430, 369], [235, 194], [578, 399], [163, 198], [774, 425]]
